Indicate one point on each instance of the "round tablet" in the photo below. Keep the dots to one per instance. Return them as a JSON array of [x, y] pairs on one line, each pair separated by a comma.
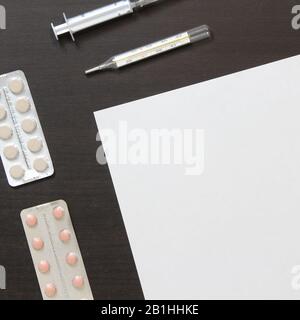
[[2, 113], [44, 266], [35, 145], [37, 243], [50, 290], [11, 152], [40, 165], [58, 213], [65, 235], [71, 258], [78, 282], [29, 125], [31, 220], [16, 85], [23, 105], [5, 132], [17, 172]]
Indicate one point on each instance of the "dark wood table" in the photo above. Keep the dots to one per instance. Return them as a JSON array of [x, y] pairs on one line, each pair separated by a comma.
[[247, 33]]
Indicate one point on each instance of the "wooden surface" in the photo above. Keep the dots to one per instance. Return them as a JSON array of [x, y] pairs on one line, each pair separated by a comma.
[[247, 33]]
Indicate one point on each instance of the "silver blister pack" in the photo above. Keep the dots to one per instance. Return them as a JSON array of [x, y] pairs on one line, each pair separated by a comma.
[[23, 148]]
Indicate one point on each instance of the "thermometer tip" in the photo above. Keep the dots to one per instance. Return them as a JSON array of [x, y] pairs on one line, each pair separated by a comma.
[[89, 71]]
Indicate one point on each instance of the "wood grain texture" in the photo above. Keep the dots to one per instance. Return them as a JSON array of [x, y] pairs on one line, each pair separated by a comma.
[[247, 33]]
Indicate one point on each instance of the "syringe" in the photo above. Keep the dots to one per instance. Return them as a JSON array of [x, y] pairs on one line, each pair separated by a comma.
[[153, 49], [98, 16]]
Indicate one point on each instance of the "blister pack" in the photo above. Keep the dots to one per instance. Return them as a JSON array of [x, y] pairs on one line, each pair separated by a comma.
[[23, 147], [55, 252]]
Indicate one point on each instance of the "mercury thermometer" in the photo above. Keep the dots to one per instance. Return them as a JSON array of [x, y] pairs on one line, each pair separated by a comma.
[[153, 49], [98, 16]]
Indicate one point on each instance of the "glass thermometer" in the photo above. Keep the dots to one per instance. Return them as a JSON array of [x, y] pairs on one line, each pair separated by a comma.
[[98, 16], [153, 49]]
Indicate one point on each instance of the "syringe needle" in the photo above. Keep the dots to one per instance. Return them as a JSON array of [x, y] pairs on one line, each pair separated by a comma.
[[156, 48]]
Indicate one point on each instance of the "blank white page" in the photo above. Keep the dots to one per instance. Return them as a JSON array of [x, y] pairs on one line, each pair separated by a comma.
[[233, 231]]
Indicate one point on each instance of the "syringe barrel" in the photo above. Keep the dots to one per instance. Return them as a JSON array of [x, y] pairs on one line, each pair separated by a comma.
[[100, 15], [199, 33], [142, 3]]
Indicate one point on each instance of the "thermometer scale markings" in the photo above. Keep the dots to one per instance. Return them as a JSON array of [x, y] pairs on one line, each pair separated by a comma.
[[155, 48]]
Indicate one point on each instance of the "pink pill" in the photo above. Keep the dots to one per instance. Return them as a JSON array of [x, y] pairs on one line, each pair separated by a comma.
[[78, 282], [71, 258], [50, 290], [37, 243], [44, 266], [31, 220], [58, 213], [65, 235]]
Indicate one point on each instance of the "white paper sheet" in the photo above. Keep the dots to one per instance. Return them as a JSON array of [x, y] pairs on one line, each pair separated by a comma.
[[232, 231]]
